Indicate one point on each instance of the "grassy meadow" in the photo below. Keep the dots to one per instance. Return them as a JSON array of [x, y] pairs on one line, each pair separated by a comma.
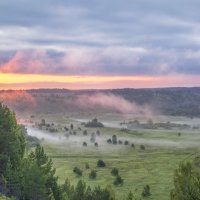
[[155, 165]]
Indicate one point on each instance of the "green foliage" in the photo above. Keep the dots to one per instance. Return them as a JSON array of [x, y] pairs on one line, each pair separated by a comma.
[[186, 182], [130, 196], [93, 137], [85, 133], [12, 143], [46, 166], [5, 198], [77, 171], [126, 142], [109, 141], [87, 166], [114, 171], [101, 163], [94, 123], [82, 192], [119, 142], [96, 144], [132, 145], [118, 181], [146, 191], [98, 132], [43, 122], [93, 174], [142, 147], [33, 181], [85, 144], [114, 139]]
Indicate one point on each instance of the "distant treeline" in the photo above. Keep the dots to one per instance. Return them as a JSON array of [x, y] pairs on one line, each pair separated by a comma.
[[166, 101]]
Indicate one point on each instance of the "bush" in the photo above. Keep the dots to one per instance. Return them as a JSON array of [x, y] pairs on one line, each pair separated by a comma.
[[114, 171], [109, 141], [43, 122], [142, 147], [96, 144], [132, 145], [93, 137], [98, 133], [77, 171], [93, 174], [119, 142], [118, 181], [114, 139], [85, 144], [101, 163], [66, 129], [126, 142], [87, 166], [74, 132], [85, 133], [94, 123], [146, 191]]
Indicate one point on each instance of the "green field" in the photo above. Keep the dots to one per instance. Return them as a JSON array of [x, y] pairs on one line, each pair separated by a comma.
[[164, 150]]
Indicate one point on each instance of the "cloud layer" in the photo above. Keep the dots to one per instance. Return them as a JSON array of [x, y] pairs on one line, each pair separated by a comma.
[[100, 37]]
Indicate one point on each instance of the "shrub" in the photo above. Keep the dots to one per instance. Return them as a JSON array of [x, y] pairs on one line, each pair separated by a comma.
[[142, 147], [126, 142], [146, 191], [43, 122], [98, 133], [114, 171], [119, 142], [96, 144], [77, 171], [66, 129], [114, 139], [85, 133], [93, 174], [74, 132], [101, 163], [93, 137], [118, 181], [130, 196], [132, 145], [109, 141], [87, 166], [85, 144], [94, 123]]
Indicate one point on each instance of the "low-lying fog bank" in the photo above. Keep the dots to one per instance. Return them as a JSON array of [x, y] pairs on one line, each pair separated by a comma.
[[77, 141]]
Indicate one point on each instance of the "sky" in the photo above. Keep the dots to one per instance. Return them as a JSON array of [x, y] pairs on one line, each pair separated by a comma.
[[84, 44]]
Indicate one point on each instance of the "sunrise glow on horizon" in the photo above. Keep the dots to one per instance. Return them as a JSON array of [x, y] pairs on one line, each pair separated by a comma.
[[35, 81]]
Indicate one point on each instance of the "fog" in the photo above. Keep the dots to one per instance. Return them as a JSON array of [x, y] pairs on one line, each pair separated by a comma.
[[76, 141], [42, 135], [112, 102], [23, 103]]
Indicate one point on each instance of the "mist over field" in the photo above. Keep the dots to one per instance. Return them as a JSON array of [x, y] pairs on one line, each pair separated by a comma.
[[143, 131]]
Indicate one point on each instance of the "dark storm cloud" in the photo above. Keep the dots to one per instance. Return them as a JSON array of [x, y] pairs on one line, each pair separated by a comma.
[[106, 37]]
